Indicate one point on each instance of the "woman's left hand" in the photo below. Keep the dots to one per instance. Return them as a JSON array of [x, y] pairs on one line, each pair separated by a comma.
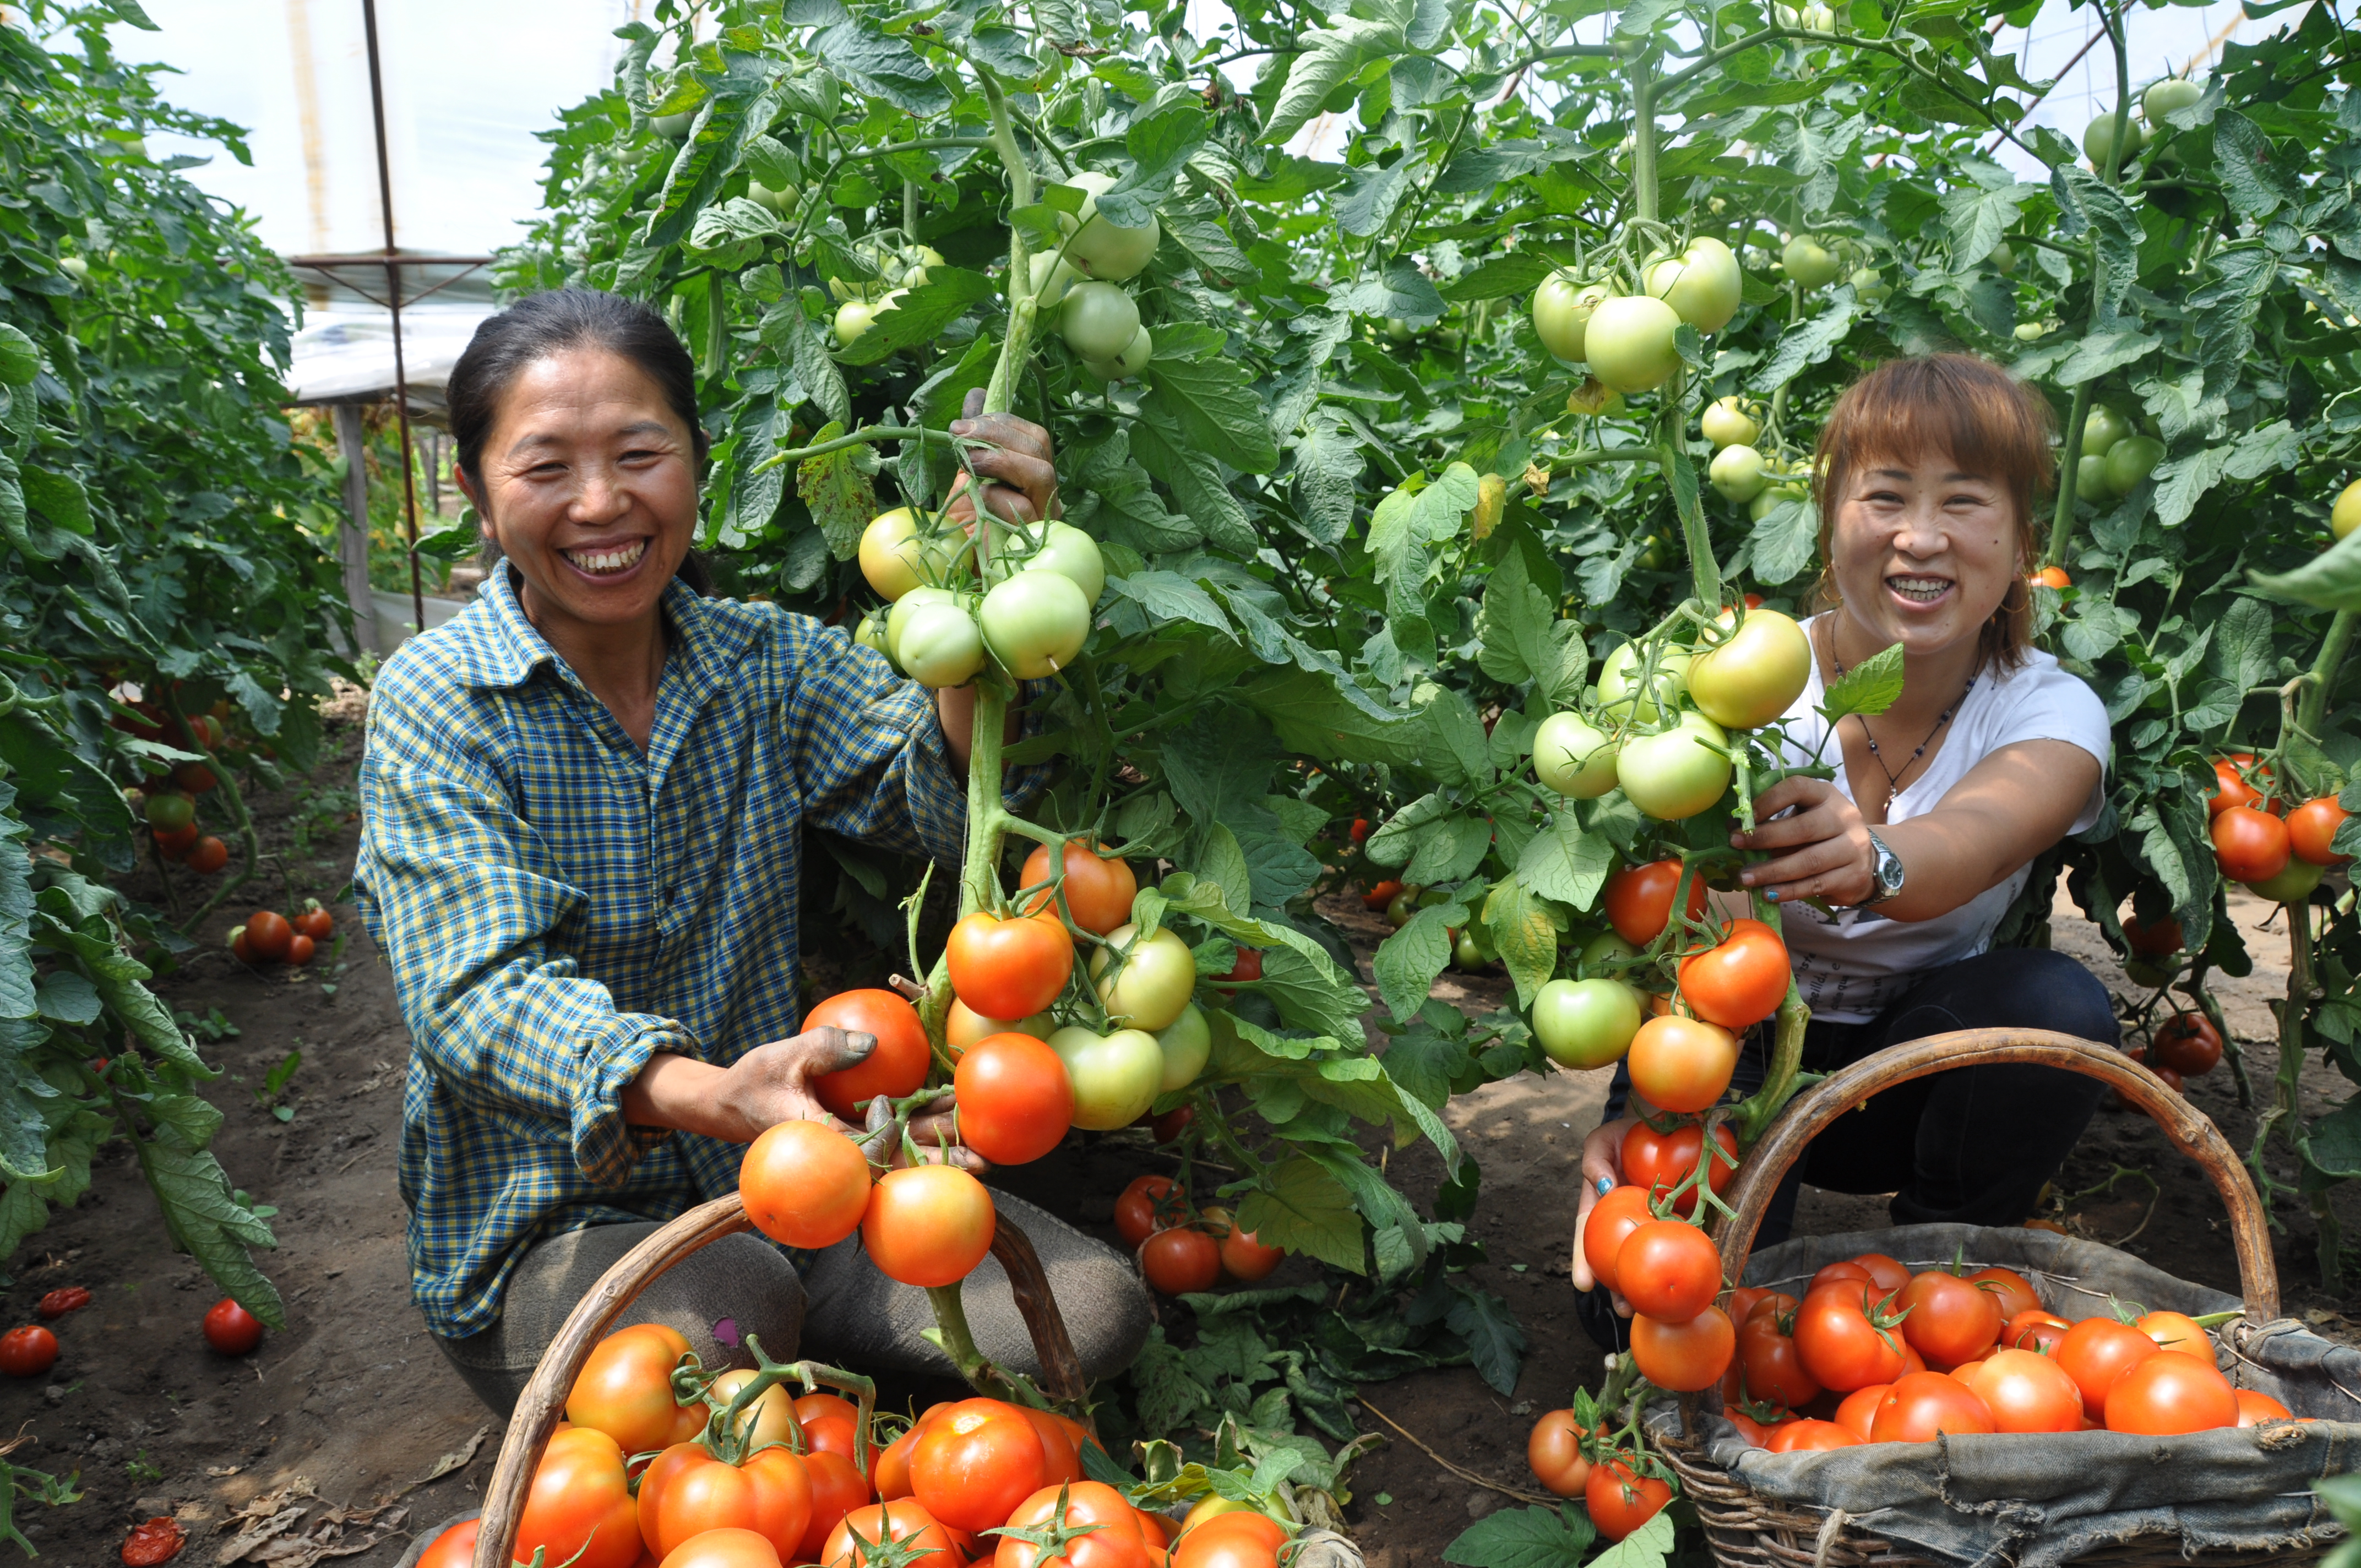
[[1830, 853], [1019, 468]]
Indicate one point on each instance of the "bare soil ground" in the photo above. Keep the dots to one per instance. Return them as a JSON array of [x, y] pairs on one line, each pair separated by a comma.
[[351, 1416]]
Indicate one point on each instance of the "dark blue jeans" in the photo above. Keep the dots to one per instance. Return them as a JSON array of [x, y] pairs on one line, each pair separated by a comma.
[[1969, 1146]]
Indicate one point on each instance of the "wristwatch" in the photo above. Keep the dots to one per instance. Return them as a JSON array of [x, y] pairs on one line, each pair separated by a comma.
[[1886, 873]]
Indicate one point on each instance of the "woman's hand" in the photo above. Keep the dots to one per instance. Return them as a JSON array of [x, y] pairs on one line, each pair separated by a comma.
[[1830, 856], [1019, 468], [1602, 1161], [770, 1084]]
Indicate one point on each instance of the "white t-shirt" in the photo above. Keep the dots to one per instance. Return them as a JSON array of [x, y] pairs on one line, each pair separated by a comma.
[[1850, 967]]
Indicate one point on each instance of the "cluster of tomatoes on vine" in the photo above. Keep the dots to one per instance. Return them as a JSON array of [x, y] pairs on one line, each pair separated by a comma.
[[167, 799], [2278, 854]]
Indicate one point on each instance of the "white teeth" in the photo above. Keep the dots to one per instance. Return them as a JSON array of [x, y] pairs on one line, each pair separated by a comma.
[[622, 558], [1926, 589]]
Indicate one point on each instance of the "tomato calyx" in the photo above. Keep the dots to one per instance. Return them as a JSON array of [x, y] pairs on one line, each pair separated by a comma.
[[1052, 1536]]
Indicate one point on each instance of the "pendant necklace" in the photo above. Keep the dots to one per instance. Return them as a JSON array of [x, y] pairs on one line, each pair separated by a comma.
[[1893, 779]]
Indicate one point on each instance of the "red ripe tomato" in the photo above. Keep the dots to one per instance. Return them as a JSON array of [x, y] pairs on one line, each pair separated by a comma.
[[928, 1225], [299, 949], [1889, 1275], [1682, 1064], [1360, 829], [316, 923], [897, 1067], [1922, 1405], [1098, 891], [1239, 1539], [624, 1388], [1620, 1499], [2033, 1329], [975, 1463], [231, 1328], [720, 1549], [1180, 1260], [1683, 1356], [1248, 969], [176, 844], [2187, 1044], [58, 1303], [686, 1492], [2159, 941], [1668, 1270], [208, 855], [1243, 1257], [2178, 1332], [805, 1184], [2312, 828], [907, 1521], [1612, 1220], [1830, 1273], [1116, 1542], [268, 935], [2255, 1408], [1061, 1463], [1739, 981], [2025, 1392], [1016, 1100], [1009, 969], [1377, 897], [1640, 900], [455, 1548], [1858, 1410], [2167, 1394], [27, 1352], [2097, 1352], [1811, 1437], [1847, 1342], [1661, 1161], [2014, 1291], [581, 1503], [837, 1490], [1146, 1206], [2248, 845], [1950, 1319], [1553, 1453], [1774, 1366], [156, 1542], [891, 1474], [2231, 791]]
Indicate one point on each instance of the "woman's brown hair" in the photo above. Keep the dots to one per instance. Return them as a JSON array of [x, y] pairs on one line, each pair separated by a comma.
[[1990, 423]]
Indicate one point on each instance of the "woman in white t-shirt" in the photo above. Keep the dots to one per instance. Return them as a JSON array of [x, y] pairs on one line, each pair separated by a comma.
[[1930, 470]]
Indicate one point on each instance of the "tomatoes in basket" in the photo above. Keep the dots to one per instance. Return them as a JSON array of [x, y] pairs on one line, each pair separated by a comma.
[[2015, 1293], [1009, 969], [1669, 1270], [1553, 1453], [1774, 1366], [720, 1549], [2255, 1406], [2312, 829], [580, 1503], [1811, 1437], [1016, 1100], [1661, 1161], [1098, 890], [1640, 900], [2187, 1044], [624, 1388], [2035, 1330], [897, 1067], [1922, 1406], [804, 1184], [1682, 1064], [837, 1490], [1950, 1321], [685, 1491], [1180, 1260], [2097, 1352], [974, 1463], [1620, 1499], [1145, 1206], [2025, 1392], [1739, 981], [1686, 1356], [1116, 1541], [1612, 1221], [2250, 845], [906, 1523], [2167, 1394], [2178, 1332], [1848, 1341], [928, 1225]]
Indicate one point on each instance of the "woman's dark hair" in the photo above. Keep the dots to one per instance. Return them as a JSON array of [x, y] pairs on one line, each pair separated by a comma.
[[555, 322]]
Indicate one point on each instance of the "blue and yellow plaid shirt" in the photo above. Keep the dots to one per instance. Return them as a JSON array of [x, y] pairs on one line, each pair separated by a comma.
[[558, 905]]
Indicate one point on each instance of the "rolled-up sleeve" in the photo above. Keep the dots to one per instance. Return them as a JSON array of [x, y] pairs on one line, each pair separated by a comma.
[[464, 896]]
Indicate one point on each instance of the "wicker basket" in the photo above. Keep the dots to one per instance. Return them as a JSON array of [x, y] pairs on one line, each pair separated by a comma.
[[1748, 1529]]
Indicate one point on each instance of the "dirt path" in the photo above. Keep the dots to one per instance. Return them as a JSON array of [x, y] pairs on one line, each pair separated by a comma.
[[352, 1408]]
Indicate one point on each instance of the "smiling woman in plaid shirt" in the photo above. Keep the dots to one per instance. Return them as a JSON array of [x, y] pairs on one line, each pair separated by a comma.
[[583, 802]]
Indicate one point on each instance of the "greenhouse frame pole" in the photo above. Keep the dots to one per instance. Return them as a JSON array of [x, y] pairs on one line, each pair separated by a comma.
[[393, 303]]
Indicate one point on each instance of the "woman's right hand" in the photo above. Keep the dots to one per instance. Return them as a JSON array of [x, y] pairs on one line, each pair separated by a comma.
[[770, 1084], [1602, 1161]]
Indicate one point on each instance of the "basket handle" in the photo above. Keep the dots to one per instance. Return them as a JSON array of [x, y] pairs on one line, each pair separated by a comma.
[[2190, 1130], [542, 1403]]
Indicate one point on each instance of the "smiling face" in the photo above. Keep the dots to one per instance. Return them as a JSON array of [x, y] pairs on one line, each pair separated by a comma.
[[589, 486], [1923, 553]]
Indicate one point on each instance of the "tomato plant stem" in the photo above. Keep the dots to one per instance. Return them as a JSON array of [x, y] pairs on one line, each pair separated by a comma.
[[1643, 135], [2286, 1083], [1758, 1110], [2061, 517], [2314, 708], [958, 1342], [2112, 19], [1000, 395]]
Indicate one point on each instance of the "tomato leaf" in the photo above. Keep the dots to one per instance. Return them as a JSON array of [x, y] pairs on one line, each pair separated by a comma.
[[1869, 687], [1524, 1538], [1329, 55], [1494, 1340], [2331, 580], [1299, 1206], [1647, 1547]]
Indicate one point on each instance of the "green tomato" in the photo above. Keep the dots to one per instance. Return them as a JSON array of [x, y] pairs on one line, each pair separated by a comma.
[[1737, 473], [2141, 972], [1777, 495], [1727, 423], [1602, 950], [1593, 397], [2099, 139], [1102, 249], [2091, 480], [1586, 1023], [2002, 257], [1036, 623], [1187, 1045], [1572, 757], [2131, 460], [673, 128], [1099, 321], [75, 267], [871, 632], [940, 646], [1619, 682], [2030, 332], [779, 199], [895, 558], [1128, 364], [2346, 515], [2101, 429], [1756, 675], [1115, 1076], [1819, 18], [1153, 982], [1654, 554], [1811, 264], [2167, 97], [1069, 552], [852, 319], [1702, 284], [1468, 952], [1398, 330], [170, 812], [2291, 886], [1628, 342], [1562, 312], [1869, 286], [1675, 775], [898, 619], [1051, 277]]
